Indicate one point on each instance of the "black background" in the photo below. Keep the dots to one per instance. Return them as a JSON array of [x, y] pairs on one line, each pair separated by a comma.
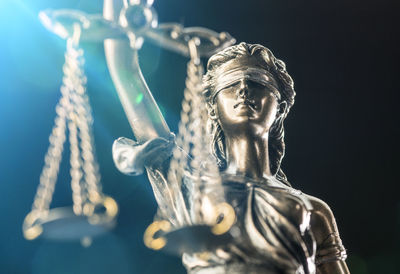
[[341, 134]]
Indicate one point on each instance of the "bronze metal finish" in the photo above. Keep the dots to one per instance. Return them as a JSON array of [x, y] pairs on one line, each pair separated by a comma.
[[278, 228]]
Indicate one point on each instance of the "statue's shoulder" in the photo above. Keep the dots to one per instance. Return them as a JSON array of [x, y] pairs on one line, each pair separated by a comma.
[[325, 231], [320, 207], [322, 219]]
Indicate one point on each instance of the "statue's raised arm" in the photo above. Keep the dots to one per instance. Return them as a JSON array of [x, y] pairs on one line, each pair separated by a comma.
[[141, 110], [140, 22]]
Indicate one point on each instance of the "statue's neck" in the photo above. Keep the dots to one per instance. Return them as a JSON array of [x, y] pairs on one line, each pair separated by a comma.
[[248, 155]]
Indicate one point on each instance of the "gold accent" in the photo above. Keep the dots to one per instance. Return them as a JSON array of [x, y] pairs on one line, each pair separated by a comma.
[[156, 243], [33, 232], [227, 221], [30, 229], [111, 206], [111, 210], [205, 256]]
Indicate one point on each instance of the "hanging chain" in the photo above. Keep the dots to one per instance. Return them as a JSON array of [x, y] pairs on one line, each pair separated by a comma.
[[179, 159], [84, 170], [52, 160], [81, 117], [73, 110], [74, 80], [193, 139]]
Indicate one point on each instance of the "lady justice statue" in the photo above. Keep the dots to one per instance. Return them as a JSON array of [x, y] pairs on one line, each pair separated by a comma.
[[233, 211], [281, 230]]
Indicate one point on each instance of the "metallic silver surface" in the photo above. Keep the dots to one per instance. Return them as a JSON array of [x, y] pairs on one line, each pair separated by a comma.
[[274, 228], [145, 117], [278, 229], [175, 38], [116, 25]]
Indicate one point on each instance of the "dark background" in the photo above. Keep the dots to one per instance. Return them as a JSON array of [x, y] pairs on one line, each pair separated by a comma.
[[341, 134]]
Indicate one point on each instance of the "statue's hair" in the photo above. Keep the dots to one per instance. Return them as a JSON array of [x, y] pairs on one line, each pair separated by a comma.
[[277, 68]]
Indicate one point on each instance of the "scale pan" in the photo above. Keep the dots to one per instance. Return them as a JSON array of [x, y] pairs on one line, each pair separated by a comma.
[[62, 224]]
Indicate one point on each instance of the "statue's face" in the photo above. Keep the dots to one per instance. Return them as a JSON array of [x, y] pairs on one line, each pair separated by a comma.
[[246, 105]]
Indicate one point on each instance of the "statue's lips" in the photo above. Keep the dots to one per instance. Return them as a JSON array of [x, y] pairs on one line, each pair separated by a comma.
[[246, 103]]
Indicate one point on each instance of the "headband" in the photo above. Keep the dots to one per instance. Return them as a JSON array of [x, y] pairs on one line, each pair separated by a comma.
[[258, 75]]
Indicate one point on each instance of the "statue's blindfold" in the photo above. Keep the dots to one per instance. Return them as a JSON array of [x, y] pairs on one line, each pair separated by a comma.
[[257, 75]]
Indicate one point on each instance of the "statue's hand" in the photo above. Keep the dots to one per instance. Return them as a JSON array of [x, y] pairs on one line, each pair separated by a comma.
[[131, 157]]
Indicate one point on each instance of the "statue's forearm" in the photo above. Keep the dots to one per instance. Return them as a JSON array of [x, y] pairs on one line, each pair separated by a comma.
[[139, 105]]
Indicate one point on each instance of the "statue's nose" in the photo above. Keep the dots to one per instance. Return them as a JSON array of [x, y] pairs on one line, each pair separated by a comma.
[[243, 90]]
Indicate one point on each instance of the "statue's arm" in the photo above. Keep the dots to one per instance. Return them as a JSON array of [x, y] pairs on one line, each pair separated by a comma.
[[139, 105], [330, 255], [154, 141]]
